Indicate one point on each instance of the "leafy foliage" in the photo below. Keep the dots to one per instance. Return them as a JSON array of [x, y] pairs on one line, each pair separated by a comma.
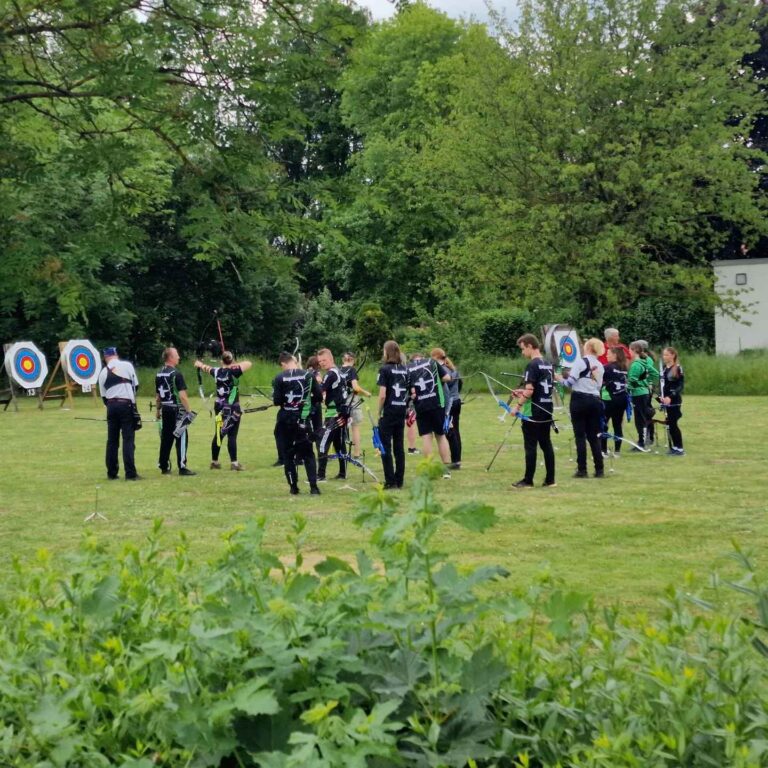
[[402, 659]]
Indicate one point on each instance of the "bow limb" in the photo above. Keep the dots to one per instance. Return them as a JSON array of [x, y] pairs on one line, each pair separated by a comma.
[[489, 381]]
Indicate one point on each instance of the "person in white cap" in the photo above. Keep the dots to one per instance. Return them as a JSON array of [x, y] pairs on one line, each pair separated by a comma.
[[118, 384]]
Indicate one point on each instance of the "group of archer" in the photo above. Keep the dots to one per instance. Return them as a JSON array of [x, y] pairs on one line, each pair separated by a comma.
[[320, 410], [607, 381]]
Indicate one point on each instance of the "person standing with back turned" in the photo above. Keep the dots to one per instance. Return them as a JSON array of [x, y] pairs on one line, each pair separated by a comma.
[[118, 384], [172, 402]]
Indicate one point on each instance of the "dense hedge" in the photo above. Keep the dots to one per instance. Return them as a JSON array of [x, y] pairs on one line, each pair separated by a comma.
[[147, 659]]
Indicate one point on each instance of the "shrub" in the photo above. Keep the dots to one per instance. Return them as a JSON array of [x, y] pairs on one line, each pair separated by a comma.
[[663, 322], [499, 330], [146, 660]]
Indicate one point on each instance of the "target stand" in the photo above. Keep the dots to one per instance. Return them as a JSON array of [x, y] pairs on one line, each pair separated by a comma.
[[8, 394], [80, 366]]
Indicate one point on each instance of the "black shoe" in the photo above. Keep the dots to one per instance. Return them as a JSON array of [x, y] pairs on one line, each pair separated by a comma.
[[523, 484], [165, 471], [389, 486], [184, 472], [134, 477], [278, 463], [414, 451], [549, 484], [321, 479], [579, 473], [599, 473], [294, 490], [314, 490], [637, 449], [112, 477], [339, 477], [454, 465]]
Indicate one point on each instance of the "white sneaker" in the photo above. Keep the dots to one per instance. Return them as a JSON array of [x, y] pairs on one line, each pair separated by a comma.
[[446, 475]]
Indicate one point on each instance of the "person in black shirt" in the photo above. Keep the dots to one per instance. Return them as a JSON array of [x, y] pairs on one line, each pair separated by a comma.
[[172, 407], [349, 372], [336, 415], [535, 402], [393, 402], [614, 394], [227, 406], [425, 380], [295, 390], [673, 383]]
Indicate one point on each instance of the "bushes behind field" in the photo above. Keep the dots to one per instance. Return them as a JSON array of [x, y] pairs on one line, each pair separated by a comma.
[[149, 659]]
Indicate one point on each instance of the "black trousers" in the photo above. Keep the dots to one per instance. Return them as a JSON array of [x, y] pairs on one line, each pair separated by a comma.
[[334, 433], [231, 437], [167, 439], [614, 410], [674, 414], [586, 417], [538, 435], [296, 445], [453, 435], [640, 405], [279, 443], [120, 422], [392, 433]]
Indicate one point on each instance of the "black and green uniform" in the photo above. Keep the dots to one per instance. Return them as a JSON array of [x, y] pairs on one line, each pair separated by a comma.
[[539, 408], [226, 409], [336, 415], [168, 383], [425, 382], [615, 398], [295, 391]]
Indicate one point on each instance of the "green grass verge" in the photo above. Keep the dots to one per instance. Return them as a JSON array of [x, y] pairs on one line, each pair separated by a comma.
[[652, 522]]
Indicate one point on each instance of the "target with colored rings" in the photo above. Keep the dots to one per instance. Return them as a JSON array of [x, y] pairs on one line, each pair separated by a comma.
[[26, 364], [81, 361], [568, 350]]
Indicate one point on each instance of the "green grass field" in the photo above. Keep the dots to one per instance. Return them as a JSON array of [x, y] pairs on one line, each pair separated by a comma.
[[653, 521]]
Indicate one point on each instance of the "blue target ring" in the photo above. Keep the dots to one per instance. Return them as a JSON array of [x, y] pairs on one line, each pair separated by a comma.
[[82, 362], [568, 350], [27, 365]]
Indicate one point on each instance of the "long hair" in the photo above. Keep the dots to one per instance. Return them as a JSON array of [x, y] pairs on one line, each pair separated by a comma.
[[637, 347], [674, 369], [439, 354], [621, 357], [392, 352]]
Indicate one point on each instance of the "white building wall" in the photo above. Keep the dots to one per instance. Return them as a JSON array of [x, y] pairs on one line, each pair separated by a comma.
[[749, 277]]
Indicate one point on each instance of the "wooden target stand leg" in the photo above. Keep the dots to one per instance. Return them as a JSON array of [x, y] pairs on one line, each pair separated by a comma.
[[8, 394], [69, 387]]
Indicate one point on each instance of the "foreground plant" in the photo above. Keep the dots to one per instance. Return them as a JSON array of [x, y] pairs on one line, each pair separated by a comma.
[[400, 659]]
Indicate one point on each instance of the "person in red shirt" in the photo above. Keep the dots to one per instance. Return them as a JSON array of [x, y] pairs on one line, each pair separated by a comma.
[[611, 336]]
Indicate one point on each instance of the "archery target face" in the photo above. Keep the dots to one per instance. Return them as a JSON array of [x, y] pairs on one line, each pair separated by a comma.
[[569, 351], [82, 362], [26, 364]]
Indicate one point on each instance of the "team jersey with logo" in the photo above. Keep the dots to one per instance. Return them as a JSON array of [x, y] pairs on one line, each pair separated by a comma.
[[395, 378], [227, 383], [335, 392], [539, 373], [425, 380], [168, 383], [294, 391], [614, 382]]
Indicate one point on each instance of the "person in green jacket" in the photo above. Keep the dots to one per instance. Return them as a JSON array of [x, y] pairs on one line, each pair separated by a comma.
[[653, 388], [639, 391]]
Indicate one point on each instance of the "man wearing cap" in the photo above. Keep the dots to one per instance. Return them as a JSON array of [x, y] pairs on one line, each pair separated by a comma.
[[118, 384]]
